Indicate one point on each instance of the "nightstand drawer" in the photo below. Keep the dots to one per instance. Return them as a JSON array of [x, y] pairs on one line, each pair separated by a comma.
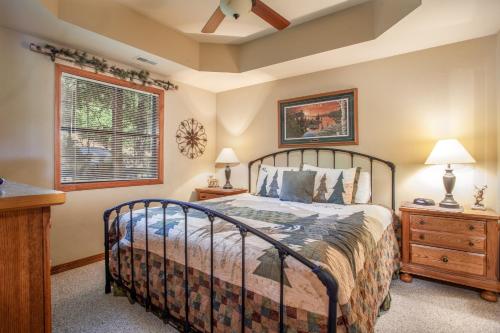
[[452, 241], [450, 225], [217, 192], [206, 196], [450, 260]]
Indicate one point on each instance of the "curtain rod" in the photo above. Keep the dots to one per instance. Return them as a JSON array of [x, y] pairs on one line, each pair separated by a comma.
[[82, 59]]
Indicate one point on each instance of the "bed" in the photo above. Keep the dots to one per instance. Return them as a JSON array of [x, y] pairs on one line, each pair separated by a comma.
[[286, 266]]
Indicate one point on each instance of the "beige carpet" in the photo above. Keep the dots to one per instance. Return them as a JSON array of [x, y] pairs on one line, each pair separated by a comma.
[[80, 305]]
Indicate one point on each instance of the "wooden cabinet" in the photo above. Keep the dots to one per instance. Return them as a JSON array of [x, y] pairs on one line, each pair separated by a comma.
[[217, 192], [458, 247], [25, 257]]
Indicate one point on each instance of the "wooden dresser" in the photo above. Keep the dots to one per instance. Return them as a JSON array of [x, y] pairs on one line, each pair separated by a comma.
[[24, 257], [217, 192], [458, 247]]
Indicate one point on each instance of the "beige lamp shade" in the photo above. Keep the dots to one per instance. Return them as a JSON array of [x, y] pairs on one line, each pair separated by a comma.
[[449, 151], [227, 156]]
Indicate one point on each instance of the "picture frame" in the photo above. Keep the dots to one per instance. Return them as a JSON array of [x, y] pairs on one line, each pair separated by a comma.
[[327, 119]]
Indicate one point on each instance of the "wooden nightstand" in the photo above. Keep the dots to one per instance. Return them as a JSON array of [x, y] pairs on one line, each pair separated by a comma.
[[217, 192], [458, 247]]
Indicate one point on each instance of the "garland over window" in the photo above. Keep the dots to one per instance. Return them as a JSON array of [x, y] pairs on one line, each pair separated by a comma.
[[82, 59]]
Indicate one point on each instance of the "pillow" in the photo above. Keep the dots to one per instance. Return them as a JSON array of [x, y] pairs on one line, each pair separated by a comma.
[[363, 192], [336, 186], [270, 179], [298, 186]]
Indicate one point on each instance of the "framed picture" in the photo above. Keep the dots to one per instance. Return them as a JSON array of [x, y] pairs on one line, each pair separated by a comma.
[[327, 119]]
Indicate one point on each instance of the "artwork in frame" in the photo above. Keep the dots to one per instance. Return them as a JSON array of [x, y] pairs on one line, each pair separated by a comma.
[[327, 119]]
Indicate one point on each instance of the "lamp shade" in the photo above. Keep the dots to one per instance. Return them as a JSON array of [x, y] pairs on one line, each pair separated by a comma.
[[449, 151], [227, 156]]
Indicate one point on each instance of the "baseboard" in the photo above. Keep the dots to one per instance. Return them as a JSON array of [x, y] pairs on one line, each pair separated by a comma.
[[77, 263]]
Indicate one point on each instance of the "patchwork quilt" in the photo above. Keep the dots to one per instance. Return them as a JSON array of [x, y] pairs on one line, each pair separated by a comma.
[[356, 243]]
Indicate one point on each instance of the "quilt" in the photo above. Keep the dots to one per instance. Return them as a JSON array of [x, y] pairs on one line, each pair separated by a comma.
[[355, 243]]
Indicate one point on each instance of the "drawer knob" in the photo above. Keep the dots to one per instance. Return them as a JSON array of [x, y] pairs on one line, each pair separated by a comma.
[[471, 227], [422, 222], [471, 243], [421, 237], [444, 259]]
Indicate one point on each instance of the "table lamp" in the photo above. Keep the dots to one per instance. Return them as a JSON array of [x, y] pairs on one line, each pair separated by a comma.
[[449, 151], [227, 157]]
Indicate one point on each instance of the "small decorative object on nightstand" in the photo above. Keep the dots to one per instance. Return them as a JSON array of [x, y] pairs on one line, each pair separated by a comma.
[[210, 193], [479, 196], [227, 157], [212, 182], [449, 152], [459, 246]]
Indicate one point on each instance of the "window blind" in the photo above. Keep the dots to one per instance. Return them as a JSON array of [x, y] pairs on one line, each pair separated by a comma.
[[107, 132]]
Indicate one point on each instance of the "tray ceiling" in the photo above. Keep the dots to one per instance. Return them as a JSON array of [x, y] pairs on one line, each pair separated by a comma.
[[189, 16], [432, 24]]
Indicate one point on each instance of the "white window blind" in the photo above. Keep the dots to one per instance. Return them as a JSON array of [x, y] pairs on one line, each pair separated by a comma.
[[107, 132]]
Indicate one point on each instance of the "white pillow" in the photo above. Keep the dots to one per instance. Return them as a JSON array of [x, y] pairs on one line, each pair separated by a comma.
[[327, 188], [270, 180], [363, 193]]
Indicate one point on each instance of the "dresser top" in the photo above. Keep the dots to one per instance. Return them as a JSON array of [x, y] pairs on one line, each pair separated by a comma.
[[220, 190], [461, 212], [16, 195]]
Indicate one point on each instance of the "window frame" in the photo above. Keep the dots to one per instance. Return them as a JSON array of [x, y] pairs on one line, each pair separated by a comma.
[[59, 71]]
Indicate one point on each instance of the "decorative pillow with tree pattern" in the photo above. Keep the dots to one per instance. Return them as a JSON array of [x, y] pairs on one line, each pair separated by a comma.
[[270, 180], [336, 186]]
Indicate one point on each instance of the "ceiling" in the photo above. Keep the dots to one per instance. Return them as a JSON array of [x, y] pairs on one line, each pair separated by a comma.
[[189, 17], [434, 23], [357, 22]]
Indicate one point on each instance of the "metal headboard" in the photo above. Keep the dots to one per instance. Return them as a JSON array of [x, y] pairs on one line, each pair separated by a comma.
[[354, 156]]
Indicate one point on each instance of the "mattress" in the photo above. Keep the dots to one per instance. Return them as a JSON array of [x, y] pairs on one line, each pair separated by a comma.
[[355, 243]]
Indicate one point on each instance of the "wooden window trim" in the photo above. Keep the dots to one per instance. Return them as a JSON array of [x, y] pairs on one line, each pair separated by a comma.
[[59, 70]]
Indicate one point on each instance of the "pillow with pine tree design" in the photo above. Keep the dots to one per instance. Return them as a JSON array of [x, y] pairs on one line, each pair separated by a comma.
[[337, 186], [270, 180]]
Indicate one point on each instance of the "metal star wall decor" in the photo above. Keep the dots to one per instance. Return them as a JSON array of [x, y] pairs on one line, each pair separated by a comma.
[[191, 138]]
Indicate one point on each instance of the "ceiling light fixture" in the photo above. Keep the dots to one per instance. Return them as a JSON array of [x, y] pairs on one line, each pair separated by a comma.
[[234, 9]]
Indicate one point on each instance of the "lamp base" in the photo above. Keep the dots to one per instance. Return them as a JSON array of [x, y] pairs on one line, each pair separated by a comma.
[[449, 184], [449, 202], [228, 185]]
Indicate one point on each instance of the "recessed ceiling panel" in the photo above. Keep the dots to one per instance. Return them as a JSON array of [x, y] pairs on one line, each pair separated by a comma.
[[189, 16]]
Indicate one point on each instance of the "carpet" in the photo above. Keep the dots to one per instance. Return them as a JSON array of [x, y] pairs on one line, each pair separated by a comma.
[[80, 305]]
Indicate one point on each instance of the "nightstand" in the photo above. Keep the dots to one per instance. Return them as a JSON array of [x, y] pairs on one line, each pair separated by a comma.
[[217, 192], [453, 246]]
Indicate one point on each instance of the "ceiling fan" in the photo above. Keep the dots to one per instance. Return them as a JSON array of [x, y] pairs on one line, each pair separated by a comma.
[[234, 8]]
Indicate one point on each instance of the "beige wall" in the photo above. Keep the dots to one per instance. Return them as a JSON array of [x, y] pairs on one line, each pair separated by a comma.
[[26, 148], [406, 103], [498, 115]]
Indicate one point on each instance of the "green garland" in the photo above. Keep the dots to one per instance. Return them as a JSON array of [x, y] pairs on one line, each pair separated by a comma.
[[82, 59]]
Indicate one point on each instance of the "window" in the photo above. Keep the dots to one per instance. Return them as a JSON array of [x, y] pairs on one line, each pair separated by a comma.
[[109, 132]]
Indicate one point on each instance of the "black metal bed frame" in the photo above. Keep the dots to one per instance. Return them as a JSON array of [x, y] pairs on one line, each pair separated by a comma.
[[283, 251]]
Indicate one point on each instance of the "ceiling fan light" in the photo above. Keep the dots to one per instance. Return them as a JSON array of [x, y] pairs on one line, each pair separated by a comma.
[[235, 8]]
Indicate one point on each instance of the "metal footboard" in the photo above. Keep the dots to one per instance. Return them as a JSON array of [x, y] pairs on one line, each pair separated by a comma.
[[283, 251]]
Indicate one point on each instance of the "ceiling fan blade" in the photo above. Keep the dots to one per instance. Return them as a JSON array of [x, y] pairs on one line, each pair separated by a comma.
[[214, 21], [269, 15]]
